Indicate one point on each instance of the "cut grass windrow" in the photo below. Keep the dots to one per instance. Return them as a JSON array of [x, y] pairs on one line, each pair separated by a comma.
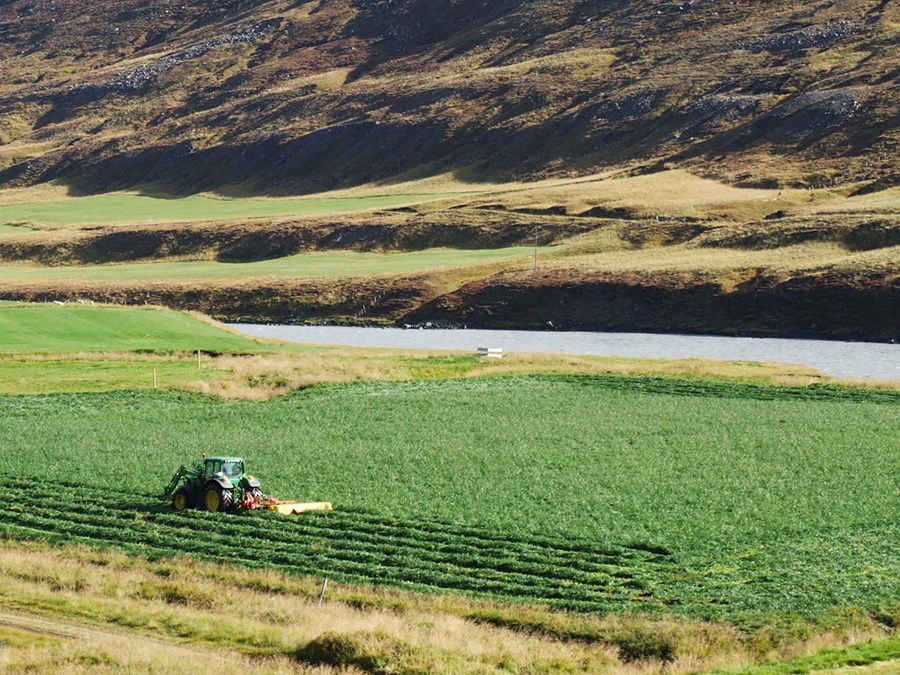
[[350, 546]]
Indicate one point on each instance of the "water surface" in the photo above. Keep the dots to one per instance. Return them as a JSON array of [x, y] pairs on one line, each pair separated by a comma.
[[843, 359]]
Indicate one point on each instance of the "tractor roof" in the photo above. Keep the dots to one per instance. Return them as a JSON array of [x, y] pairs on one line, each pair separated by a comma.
[[223, 459]]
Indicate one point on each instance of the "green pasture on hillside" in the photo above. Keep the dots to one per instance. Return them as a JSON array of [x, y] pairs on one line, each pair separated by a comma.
[[120, 207], [34, 329], [326, 264], [13, 229], [769, 499]]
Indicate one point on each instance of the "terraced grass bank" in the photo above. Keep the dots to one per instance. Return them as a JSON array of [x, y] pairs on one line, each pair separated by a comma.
[[664, 252], [120, 207], [330, 265]]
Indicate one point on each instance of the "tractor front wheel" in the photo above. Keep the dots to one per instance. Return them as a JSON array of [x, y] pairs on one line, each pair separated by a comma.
[[183, 499], [218, 499]]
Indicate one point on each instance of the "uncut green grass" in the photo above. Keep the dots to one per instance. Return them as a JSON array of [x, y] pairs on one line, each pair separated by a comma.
[[34, 329], [786, 505], [93, 375], [540, 454], [128, 208], [330, 264]]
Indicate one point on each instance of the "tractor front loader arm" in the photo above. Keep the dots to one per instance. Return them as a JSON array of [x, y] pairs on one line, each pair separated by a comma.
[[182, 473]]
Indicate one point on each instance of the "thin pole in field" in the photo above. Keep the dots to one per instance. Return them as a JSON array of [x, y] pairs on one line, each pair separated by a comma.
[[198, 359], [322, 594]]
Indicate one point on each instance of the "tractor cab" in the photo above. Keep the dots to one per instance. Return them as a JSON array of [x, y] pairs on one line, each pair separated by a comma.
[[231, 468]]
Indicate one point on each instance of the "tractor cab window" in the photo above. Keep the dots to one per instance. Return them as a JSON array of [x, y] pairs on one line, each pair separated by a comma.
[[211, 469], [233, 469]]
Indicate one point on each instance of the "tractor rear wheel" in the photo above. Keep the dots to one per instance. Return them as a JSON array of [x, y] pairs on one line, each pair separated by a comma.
[[217, 498], [183, 499]]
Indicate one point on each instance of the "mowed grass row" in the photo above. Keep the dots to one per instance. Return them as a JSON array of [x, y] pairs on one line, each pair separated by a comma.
[[427, 555], [33, 329], [348, 546], [771, 499]]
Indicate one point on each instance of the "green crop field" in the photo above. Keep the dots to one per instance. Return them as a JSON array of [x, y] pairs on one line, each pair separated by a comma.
[[118, 207], [331, 264], [80, 328], [708, 499]]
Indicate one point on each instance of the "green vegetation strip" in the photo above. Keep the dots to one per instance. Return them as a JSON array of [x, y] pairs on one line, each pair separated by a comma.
[[859, 655], [128, 208], [770, 499], [14, 229], [330, 264], [30, 329]]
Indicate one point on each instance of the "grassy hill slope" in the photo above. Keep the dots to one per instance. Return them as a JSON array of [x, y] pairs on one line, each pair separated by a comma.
[[282, 96]]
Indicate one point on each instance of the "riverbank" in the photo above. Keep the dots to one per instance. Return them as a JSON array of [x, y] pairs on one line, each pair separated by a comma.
[[858, 360], [830, 306]]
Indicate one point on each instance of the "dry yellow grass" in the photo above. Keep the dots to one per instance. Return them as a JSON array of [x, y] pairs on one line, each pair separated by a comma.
[[667, 193], [76, 648], [327, 81], [113, 613], [887, 201], [787, 260], [262, 613], [264, 376], [38, 193], [674, 193]]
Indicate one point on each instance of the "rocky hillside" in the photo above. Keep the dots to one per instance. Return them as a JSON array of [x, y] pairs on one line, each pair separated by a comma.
[[287, 96]]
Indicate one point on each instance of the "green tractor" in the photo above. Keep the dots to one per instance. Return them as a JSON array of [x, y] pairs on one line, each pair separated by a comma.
[[215, 484]]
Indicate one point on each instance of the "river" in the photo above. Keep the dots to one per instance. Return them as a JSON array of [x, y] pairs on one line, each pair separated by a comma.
[[868, 360]]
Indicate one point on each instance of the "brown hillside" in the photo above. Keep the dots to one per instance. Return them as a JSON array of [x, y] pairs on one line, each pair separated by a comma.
[[282, 96]]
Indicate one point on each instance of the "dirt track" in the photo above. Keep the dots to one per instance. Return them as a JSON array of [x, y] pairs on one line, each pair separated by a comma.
[[95, 634]]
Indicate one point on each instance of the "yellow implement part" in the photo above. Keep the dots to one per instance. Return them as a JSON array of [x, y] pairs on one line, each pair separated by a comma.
[[287, 508]]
